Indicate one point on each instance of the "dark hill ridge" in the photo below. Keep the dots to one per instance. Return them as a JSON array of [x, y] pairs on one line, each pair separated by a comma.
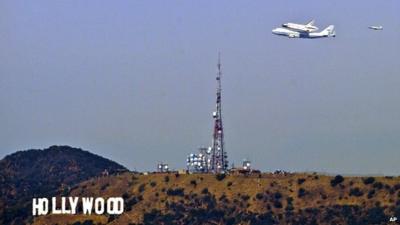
[[30, 173]]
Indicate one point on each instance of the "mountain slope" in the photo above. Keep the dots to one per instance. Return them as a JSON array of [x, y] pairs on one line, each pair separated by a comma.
[[31, 173], [237, 199]]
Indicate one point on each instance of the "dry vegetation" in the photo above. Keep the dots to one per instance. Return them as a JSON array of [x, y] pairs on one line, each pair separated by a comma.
[[239, 199]]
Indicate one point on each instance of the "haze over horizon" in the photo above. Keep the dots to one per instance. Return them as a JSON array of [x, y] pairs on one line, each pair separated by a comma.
[[134, 81]]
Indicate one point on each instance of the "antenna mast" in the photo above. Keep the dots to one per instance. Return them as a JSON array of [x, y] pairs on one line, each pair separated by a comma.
[[219, 158]]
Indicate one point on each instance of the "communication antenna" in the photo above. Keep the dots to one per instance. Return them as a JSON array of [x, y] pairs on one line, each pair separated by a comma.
[[219, 158]]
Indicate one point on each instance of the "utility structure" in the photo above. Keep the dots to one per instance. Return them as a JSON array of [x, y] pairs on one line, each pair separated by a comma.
[[199, 163], [162, 167], [219, 158]]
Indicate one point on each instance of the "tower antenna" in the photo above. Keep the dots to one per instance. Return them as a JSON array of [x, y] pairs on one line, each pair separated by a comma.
[[219, 158]]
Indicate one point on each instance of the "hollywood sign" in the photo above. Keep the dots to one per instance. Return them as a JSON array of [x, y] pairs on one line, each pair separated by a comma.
[[69, 205]]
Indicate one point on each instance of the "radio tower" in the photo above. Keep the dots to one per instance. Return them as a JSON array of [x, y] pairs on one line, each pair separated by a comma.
[[219, 158]]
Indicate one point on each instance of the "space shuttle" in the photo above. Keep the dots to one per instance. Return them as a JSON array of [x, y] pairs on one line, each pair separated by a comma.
[[308, 27]]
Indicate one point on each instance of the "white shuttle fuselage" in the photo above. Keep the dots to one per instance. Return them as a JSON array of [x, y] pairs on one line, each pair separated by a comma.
[[309, 27]]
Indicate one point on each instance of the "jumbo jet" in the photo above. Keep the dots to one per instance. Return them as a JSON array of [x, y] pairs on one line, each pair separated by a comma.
[[308, 27], [327, 32]]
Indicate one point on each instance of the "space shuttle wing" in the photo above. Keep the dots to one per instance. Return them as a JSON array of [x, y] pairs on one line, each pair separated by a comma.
[[302, 29], [305, 29]]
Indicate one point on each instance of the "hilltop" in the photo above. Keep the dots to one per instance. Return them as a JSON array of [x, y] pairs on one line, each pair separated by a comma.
[[31, 173], [240, 199]]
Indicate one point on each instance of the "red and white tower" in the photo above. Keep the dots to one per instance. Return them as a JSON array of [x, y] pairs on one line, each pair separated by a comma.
[[219, 158]]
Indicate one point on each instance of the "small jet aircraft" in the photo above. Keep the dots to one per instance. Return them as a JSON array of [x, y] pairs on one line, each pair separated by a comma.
[[309, 27], [375, 27], [327, 32]]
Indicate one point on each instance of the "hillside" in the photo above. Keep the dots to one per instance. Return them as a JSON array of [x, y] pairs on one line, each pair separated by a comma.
[[30, 173], [239, 199]]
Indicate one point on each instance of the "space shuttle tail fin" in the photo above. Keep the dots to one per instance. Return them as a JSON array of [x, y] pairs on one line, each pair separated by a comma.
[[311, 23]]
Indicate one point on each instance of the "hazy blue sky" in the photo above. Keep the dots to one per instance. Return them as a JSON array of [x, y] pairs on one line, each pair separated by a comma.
[[134, 81]]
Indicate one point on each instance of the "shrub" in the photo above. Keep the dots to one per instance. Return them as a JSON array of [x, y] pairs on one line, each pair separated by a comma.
[[229, 184], [193, 182], [397, 211], [111, 218], [289, 207], [245, 197], [323, 196], [369, 180], [220, 176], [86, 222], [204, 191], [141, 188], [356, 192], [378, 185], [371, 194], [222, 197], [301, 193], [177, 175], [175, 192], [300, 181], [376, 216], [277, 204], [131, 202], [337, 180], [153, 184], [166, 179], [277, 195], [125, 195], [149, 218], [103, 187], [259, 196]]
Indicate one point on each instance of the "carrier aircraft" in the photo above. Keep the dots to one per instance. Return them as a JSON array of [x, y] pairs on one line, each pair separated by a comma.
[[293, 33], [376, 27]]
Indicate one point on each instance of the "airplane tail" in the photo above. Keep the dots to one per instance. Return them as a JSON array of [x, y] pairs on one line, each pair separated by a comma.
[[329, 30], [311, 23]]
